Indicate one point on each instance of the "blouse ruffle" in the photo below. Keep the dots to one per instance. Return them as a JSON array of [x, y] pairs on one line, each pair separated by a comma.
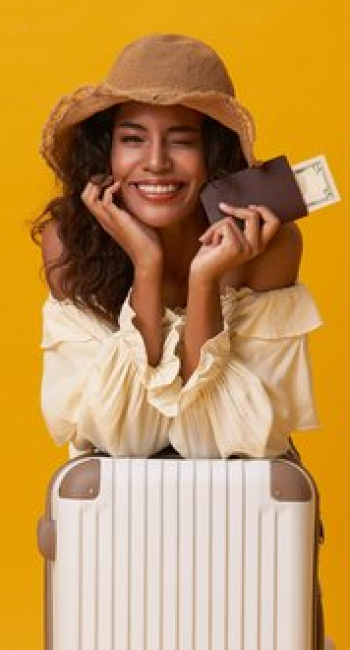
[[275, 314], [161, 382], [251, 388]]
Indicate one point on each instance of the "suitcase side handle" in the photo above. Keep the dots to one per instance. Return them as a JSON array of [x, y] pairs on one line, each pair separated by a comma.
[[46, 536]]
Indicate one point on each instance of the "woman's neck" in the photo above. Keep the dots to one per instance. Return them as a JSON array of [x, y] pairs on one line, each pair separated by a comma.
[[180, 244]]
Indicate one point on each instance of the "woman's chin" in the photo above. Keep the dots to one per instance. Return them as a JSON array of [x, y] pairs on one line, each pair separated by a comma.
[[160, 216]]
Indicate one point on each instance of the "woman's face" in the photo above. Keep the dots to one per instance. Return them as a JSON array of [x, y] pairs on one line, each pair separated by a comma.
[[157, 153]]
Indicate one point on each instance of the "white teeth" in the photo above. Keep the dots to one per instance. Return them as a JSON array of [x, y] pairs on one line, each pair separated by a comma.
[[158, 189]]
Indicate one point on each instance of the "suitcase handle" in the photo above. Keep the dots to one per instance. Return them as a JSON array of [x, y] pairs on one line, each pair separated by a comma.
[[46, 536]]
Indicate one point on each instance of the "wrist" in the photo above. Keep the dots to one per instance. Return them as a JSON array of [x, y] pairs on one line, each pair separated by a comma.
[[151, 270], [203, 282]]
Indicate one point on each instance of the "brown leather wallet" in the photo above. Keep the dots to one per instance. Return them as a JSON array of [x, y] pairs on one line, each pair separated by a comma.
[[271, 184]]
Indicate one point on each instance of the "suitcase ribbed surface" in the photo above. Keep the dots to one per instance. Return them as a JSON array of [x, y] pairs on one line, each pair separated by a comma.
[[183, 555]]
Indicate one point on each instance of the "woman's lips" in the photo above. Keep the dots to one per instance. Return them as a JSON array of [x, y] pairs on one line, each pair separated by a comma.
[[159, 192]]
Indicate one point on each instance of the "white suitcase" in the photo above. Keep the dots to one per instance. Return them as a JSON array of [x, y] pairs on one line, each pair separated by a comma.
[[172, 554]]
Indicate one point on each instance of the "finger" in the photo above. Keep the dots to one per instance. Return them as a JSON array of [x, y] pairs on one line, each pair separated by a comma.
[[232, 236], [101, 215], [109, 194], [213, 235], [91, 198], [217, 238], [89, 191], [238, 235], [92, 191], [252, 231], [226, 231], [207, 235], [211, 238], [245, 215], [234, 211], [102, 180], [236, 218], [265, 212], [271, 223]]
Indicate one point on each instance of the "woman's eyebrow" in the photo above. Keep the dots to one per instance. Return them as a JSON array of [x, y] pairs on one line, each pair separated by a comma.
[[172, 129], [183, 129], [130, 125]]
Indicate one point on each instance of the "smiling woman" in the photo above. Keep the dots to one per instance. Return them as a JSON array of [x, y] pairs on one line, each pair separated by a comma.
[[161, 328], [89, 156]]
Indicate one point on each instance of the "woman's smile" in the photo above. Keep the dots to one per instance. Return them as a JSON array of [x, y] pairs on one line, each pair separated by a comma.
[[159, 192]]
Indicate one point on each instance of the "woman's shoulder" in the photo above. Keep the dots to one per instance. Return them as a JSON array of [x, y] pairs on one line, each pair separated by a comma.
[[280, 313], [278, 266], [52, 250]]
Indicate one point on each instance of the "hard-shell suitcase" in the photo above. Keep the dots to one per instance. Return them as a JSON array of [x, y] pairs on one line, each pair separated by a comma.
[[173, 554]]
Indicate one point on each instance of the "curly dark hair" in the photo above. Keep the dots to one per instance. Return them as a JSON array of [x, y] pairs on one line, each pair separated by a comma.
[[95, 272]]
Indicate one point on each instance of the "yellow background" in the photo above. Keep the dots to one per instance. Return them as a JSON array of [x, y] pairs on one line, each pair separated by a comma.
[[289, 60]]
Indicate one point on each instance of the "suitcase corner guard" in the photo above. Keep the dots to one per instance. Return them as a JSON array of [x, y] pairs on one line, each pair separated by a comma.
[[289, 482], [82, 480]]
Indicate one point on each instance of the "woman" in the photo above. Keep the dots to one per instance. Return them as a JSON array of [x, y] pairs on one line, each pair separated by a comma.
[[161, 328]]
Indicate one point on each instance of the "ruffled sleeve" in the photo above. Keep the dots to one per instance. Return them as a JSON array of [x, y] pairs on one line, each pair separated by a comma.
[[162, 383], [97, 385], [251, 389], [253, 384]]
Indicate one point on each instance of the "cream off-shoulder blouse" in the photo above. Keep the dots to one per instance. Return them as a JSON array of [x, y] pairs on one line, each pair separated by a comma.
[[251, 389]]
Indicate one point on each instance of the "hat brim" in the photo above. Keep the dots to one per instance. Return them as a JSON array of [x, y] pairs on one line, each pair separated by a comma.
[[88, 100]]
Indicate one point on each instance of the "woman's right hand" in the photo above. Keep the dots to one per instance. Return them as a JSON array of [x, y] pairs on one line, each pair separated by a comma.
[[139, 241]]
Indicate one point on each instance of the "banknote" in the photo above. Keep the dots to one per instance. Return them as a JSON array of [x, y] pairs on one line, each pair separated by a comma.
[[316, 183]]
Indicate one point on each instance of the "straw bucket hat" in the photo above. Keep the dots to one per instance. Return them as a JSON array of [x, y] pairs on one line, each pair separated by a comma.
[[160, 69]]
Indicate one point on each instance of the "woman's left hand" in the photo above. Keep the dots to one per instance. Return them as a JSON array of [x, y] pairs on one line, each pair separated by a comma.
[[225, 246]]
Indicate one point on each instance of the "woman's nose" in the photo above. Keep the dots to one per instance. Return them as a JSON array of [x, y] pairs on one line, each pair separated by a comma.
[[158, 157]]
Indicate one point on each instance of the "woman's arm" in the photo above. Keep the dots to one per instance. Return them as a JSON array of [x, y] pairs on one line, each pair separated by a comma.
[[223, 246], [203, 321], [262, 260], [141, 243], [146, 301], [278, 265]]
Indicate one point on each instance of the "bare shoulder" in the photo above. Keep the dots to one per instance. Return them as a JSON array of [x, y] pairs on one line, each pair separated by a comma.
[[51, 250], [51, 245], [278, 265]]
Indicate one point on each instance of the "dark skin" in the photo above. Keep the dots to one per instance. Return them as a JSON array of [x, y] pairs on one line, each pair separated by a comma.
[[158, 170]]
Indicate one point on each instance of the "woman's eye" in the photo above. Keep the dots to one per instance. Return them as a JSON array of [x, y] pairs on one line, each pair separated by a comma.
[[131, 138], [184, 143]]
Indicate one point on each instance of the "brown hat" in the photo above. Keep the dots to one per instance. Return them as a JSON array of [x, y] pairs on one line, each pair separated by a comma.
[[160, 69]]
